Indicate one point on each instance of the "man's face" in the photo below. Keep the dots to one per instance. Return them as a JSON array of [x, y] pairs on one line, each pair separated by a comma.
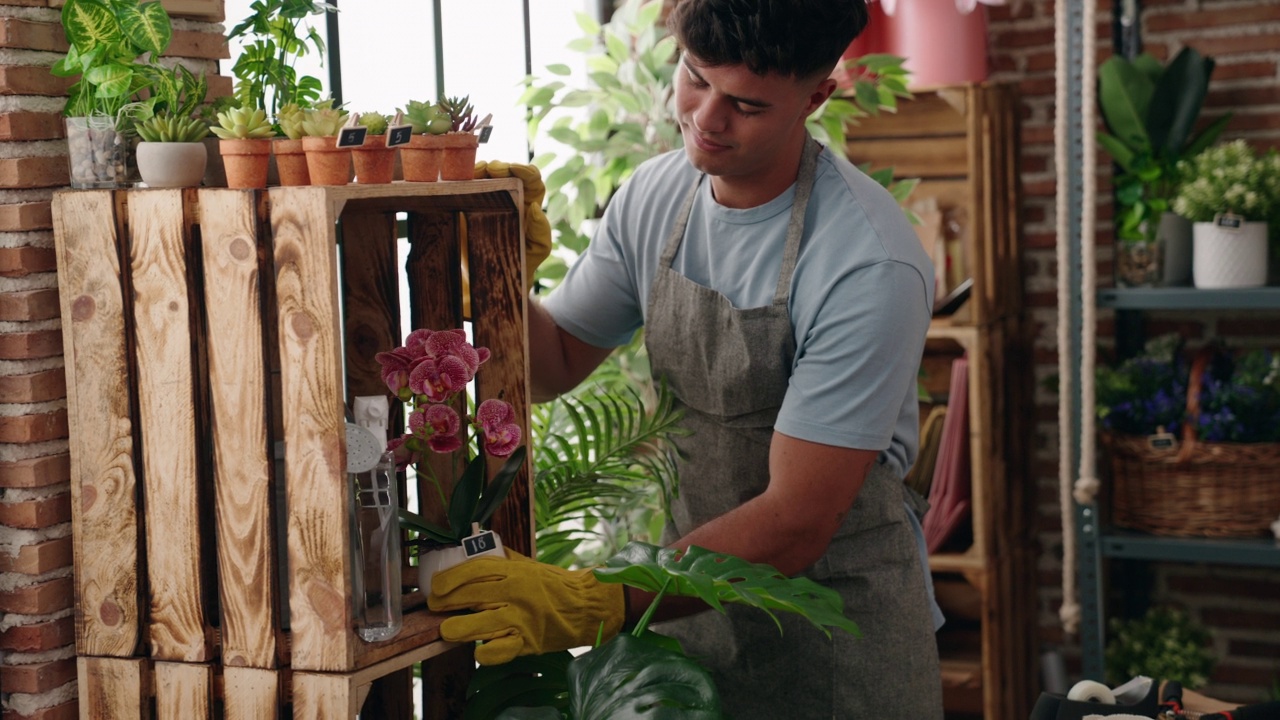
[[739, 126]]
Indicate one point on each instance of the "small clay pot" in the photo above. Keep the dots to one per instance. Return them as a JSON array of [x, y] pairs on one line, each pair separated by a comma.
[[245, 161], [291, 162], [327, 163], [375, 163], [459, 161], [420, 159]]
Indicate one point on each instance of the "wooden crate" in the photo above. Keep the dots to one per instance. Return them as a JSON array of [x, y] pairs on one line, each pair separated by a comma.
[[205, 328], [961, 142]]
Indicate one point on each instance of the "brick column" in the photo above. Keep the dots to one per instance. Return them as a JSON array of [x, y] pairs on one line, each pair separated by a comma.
[[37, 626]]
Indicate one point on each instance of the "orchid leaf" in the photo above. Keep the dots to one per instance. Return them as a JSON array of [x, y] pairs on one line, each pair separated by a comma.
[[410, 520], [496, 490], [466, 496]]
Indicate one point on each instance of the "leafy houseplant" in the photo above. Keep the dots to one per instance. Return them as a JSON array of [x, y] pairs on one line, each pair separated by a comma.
[[245, 146], [171, 153], [1151, 112], [1230, 194], [458, 161], [106, 39], [1165, 643], [641, 673], [428, 372], [265, 74], [374, 161], [327, 164]]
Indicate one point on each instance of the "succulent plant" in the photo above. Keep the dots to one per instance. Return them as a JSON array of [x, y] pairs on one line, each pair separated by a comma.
[[426, 118], [289, 118], [376, 122], [242, 123], [459, 111], [323, 121], [164, 127]]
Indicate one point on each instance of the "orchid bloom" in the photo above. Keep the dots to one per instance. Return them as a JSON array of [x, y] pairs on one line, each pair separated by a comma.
[[438, 425], [396, 367], [402, 451], [497, 420]]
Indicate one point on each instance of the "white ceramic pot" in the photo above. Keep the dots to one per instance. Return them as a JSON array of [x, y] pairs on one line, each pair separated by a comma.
[[440, 559], [1229, 257], [172, 164]]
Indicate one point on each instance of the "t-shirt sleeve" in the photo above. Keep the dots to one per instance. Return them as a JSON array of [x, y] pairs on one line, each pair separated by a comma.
[[858, 358], [598, 301]]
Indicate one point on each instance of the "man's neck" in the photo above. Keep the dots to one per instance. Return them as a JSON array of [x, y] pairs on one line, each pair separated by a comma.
[[747, 191]]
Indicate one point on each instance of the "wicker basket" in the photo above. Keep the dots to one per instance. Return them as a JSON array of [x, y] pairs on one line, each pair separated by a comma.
[[1197, 489]]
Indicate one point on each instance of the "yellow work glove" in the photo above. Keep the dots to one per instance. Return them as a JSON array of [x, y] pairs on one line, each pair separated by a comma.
[[523, 607]]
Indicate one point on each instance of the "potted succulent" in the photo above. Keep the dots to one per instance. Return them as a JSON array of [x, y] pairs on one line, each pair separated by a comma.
[[172, 152], [245, 146], [105, 41], [374, 161], [458, 162], [1229, 195], [431, 372], [1151, 113], [421, 157], [327, 163], [291, 159]]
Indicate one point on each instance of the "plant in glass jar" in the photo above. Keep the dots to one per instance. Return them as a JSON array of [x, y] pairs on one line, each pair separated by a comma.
[[1230, 193], [430, 373]]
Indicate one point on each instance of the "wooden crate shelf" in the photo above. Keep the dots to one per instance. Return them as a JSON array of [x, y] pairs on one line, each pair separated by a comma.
[[961, 142], [202, 330]]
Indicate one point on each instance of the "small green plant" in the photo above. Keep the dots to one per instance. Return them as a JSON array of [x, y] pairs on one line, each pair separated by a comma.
[[460, 114], [242, 123], [265, 74], [426, 118], [323, 120], [289, 119], [376, 122], [106, 40], [1229, 178], [1165, 643], [165, 127]]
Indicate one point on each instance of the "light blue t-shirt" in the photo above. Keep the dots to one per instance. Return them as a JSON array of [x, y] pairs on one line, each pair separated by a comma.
[[860, 298]]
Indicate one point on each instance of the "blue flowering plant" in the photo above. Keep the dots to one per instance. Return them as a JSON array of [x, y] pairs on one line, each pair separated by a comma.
[[1147, 394]]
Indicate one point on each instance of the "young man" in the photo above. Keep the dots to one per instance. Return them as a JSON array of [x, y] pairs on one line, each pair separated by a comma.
[[785, 300]]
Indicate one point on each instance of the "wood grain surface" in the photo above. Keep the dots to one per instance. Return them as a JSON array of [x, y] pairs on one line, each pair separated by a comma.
[[184, 691]]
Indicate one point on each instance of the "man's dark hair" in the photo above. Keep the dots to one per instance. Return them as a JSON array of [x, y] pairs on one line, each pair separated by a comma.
[[799, 38]]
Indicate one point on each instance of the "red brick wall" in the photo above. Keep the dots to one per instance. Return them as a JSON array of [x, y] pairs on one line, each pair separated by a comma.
[[37, 633], [1239, 605]]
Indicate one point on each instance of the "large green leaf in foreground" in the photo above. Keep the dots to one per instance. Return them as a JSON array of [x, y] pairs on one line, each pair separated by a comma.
[[630, 678], [717, 578]]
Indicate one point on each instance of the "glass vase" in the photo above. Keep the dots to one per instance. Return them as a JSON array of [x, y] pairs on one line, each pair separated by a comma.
[[375, 539]]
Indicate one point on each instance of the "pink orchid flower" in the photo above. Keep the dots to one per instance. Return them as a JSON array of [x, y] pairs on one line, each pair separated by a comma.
[[439, 378], [403, 453], [438, 425], [454, 343], [497, 420], [396, 366]]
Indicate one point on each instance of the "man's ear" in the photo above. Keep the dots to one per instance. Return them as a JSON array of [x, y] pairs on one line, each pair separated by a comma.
[[820, 94]]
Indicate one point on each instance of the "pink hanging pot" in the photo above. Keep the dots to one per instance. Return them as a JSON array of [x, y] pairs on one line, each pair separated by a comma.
[[944, 42]]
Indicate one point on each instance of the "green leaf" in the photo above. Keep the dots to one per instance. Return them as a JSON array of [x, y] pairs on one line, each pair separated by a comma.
[[1124, 95], [588, 24], [410, 520], [147, 26], [496, 490], [1117, 150], [528, 681], [1176, 102], [89, 24], [631, 678], [1207, 137], [466, 496], [559, 69]]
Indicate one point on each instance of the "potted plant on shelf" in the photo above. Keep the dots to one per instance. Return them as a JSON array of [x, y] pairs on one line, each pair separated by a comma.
[[421, 157], [265, 72], [172, 152], [1151, 112], [1229, 194], [245, 146], [291, 159], [374, 162], [327, 164], [458, 161], [431, 372], [105, 41]]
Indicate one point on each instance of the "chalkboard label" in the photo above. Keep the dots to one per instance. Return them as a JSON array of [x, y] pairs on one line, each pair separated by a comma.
[[1229, 221], [352, 136], [485, 542], [399, 135], [485, 132]]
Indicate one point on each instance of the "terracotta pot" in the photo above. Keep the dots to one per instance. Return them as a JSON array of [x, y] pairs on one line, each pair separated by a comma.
[[459, 161], [245, 162], [327, 163], [420, 159], [375, 162], [291, 162]]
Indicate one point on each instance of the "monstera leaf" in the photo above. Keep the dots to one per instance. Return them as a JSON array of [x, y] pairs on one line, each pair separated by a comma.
[[628, 677]]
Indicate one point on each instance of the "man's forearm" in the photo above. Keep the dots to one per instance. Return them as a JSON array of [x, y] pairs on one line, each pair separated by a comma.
[[557, 360]]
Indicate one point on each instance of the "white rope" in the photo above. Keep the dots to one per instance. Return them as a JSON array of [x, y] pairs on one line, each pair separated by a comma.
[[1084, 488]]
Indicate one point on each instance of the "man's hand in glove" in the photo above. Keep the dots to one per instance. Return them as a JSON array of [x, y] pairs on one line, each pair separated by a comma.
[[523, 607]]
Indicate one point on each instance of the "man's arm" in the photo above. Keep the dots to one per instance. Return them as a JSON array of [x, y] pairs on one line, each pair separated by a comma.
[[558, 361], [789, 526]]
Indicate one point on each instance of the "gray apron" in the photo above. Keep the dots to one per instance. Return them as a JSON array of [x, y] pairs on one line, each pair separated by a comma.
[[729, 369]]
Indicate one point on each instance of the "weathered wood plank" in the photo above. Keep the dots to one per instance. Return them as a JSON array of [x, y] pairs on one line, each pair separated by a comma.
[[371, 298], [113, 688], [103, 473], [184, 691], [495, 245], [233, 259], [250, 693], [323, 697], [166, 398], [315, 440], [941, 157], [928, 114]]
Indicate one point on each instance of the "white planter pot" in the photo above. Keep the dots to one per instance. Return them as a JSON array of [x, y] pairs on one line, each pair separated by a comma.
[[441, 559], [1229, 257], [172, 164]]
